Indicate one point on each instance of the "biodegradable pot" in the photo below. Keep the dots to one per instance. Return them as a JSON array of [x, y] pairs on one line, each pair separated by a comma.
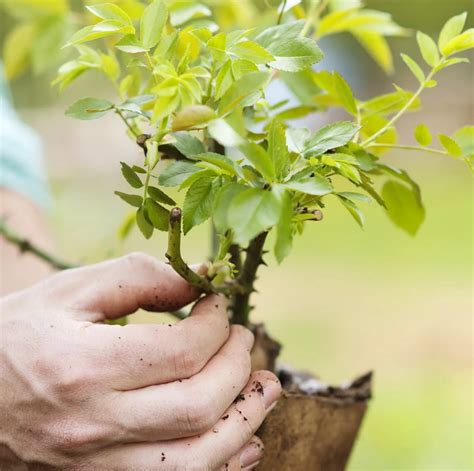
[[310, 429]]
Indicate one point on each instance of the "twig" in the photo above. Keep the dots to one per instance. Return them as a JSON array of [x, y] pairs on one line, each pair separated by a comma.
[[429, 150], [402, 111], [176, 261], [282, 12], [24, 245], [125, 120], [247, 277]]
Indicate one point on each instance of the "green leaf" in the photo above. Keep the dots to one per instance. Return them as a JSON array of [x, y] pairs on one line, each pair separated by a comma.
[[315, 185], [252, 212], [224, 79], [450, 145], [127, 225], [240, 91], [451, 29], [390, 103], [176, 173], [260, 159], [143, 223], [428, 49], [465, 140], [159, 196], [130, 45], [404, 177], [152, 23], [251, 51], [423, 135], [157, 215], [330, 137], [100, 30], [221, 161], [403, 206], [414, 67], [295, 55], [450, 62], [353, 209], [280, 34], [460, 43], [284, 229], [223, 201], [133, 200], [109, 11], [130, 175], [188, 145], [89, 108], [344, 94], [221, 131], [297, 138], [195, 116], [277, 149], [199, 202]]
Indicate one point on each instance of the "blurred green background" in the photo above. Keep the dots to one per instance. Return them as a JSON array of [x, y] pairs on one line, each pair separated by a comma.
[[347, 300]]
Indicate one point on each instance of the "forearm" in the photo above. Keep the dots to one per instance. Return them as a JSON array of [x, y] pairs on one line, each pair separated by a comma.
[[20, 270]]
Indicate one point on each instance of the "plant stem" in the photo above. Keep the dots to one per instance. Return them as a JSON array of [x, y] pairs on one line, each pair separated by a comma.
[[415, 148], [125, 120], [241, 307], [403, 110], [313, 15], [175, 258], [24, 245], [282, 12]]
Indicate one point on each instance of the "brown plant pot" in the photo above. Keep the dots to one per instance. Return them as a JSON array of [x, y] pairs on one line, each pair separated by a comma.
[[309, 430]]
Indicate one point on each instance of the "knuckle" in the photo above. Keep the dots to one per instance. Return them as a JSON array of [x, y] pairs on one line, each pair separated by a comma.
[[196, 417], [140, 259], [187, 360], [245, 334], [69, 438]]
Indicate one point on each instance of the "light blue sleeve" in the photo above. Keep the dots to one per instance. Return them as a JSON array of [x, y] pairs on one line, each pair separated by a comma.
[[21, 158]]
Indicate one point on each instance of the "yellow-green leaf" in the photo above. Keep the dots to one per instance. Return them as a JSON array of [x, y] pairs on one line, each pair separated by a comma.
[[428, 49], [460, 43], [451, 146], [152, 23], [423, 135], [195, 116], [414, 67], [451, 29], [17, 49]]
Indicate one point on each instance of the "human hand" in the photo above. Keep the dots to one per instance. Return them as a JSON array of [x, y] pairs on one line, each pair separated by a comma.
[[76, 393]]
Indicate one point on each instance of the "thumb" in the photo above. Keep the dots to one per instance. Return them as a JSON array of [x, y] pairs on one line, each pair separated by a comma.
[[119, 287]]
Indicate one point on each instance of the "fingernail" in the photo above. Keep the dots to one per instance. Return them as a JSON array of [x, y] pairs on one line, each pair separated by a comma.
[[251, 455], [271, 393], [252, 466]]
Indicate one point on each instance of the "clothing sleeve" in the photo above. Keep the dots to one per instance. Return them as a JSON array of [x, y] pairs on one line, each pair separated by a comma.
[[21, 158]]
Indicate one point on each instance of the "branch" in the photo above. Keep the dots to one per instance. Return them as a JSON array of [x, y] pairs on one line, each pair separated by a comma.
[[247, 279], [175, 258], [24, 245], [429, 150], [406, 107]]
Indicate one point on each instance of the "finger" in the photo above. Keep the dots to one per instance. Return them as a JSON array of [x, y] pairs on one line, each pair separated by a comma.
[[139, 355], [119, 287], [190, 407], [210, 450], [247, 458]]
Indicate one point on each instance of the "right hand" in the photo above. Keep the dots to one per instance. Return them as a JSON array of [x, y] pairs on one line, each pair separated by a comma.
[[76, 393]]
